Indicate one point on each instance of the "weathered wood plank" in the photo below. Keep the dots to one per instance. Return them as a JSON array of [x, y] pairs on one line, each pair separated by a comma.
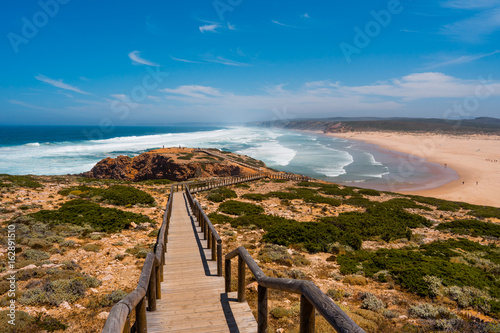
[[193, 301]]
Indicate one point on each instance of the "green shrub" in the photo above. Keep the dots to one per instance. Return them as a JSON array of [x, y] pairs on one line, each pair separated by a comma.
[[429, 311], [275, 253], [255, 196], [139, 251], [219, 218], [4, 287], [279, 312], [412, 268], [113, 298], [233, 207], [68, 243], [56, 292], [81, 212], [21, 181], [370, 192], [119, 195], [356, 280], [371, 302], [358, 202], [220, 194], [35, 255], [24, 323], [305, 194], [92, 247], [471, 227]]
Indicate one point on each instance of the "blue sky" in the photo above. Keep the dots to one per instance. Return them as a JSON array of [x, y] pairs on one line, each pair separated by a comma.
[[159, 62]]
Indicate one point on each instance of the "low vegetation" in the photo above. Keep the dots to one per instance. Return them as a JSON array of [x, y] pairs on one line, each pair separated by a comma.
[[119, 195], [81, 212], [471, 227], [220, 194], [20, 181]]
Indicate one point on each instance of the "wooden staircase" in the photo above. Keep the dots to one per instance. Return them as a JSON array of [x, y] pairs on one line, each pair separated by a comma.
[[193, 297]]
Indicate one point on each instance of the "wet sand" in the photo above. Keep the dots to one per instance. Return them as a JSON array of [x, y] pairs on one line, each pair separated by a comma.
[[472, 157]]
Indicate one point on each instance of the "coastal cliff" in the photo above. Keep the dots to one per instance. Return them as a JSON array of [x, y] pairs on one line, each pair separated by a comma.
[[480, 125], [173, 163]]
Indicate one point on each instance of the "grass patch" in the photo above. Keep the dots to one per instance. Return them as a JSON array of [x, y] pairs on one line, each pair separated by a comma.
[[82, 212]]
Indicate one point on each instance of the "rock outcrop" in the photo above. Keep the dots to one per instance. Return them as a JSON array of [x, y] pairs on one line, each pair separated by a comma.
[[162, 166]]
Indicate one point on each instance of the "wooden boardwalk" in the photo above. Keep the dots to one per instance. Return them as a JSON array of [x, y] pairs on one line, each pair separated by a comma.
[[193, 297]]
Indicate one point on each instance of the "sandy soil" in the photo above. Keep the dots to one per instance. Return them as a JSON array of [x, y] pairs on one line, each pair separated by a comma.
[[475, 158]]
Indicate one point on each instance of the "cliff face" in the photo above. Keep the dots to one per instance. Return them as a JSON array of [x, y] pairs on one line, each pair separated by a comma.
[[157, 166]]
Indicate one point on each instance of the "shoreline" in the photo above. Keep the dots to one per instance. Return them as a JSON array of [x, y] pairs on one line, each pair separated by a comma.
[[470, 156]]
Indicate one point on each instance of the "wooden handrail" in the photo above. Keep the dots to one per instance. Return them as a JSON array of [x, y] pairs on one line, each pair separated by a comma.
[[311, 296], [214, 242], [148, 286]]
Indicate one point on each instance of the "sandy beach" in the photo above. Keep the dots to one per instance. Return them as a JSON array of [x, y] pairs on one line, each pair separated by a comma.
[[472, 157]]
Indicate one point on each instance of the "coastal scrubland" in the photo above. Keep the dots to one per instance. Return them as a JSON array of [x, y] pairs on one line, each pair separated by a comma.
[[393, 262]]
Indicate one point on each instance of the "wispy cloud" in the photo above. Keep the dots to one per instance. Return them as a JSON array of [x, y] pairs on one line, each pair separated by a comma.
[[282, 24], [227, 62], [185, 60], [306, 15], [470, 4], [27, 105], [209, 28], [478, 26], [461, 60], [135, 57], [59, 84], [194, 91], [392, 93]]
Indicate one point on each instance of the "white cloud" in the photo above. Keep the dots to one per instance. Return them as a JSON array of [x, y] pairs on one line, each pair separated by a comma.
[[59, 84], [194, 91], [135, 57], [282, 24], [230, 26], [470, 4], [306, 15], [476, 27], [225, 61], [209, 28], [322, 98], [462, 60], [185, 60]]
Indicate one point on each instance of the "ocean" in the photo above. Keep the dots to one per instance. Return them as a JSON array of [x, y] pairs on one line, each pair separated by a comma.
[[57, 150]]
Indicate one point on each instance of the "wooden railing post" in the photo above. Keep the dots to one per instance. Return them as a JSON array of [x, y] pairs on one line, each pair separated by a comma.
[[126, 328], [227, 273], [140, 316], [241, 279], [262, 309], [152, 291], [307, 315], [159, 279], [209, 238], [214, 250], [219, 258]]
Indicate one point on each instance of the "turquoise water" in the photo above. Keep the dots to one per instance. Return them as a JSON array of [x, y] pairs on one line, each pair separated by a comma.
[[71, 150]]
